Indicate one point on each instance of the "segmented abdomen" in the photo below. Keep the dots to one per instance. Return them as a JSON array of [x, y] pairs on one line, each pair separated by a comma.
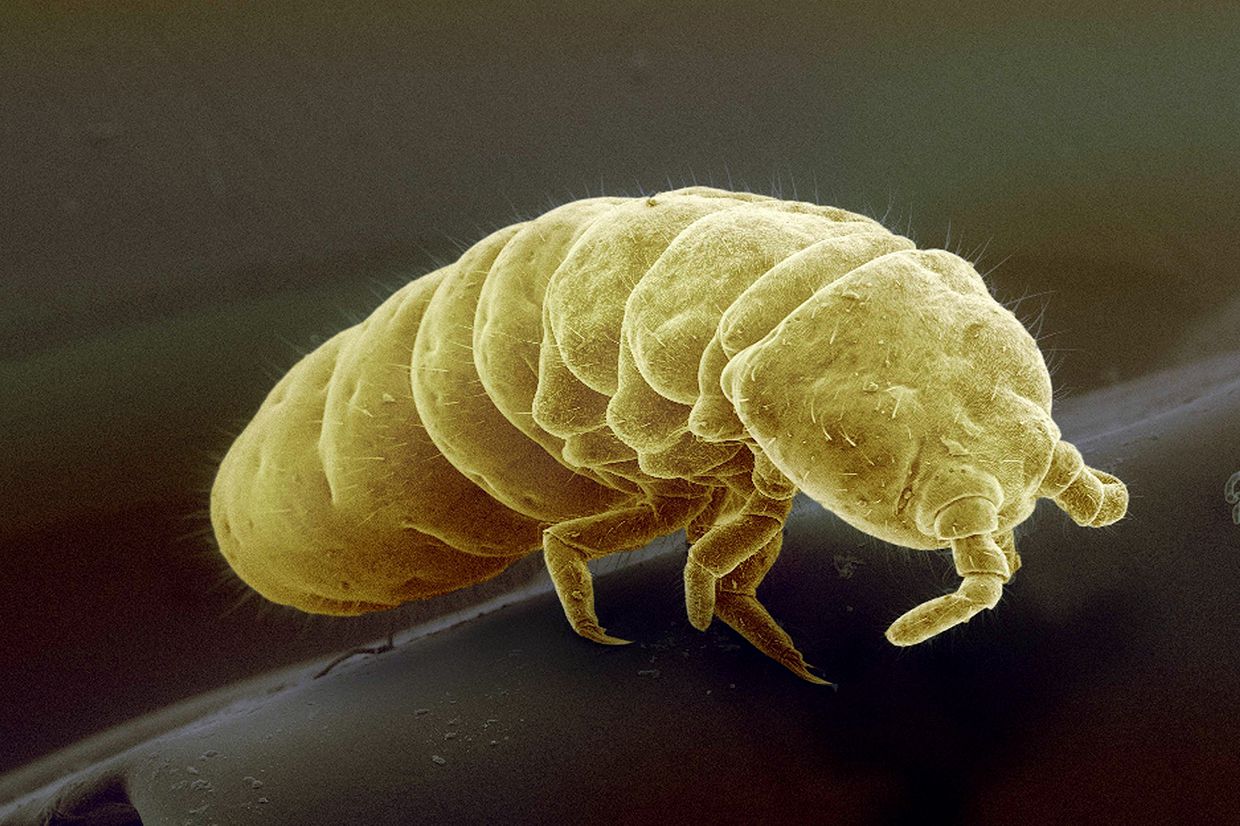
[[573, 361], [560, 368]]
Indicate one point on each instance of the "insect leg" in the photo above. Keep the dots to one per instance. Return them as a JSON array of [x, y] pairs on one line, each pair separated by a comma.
[[704, 521], [726, 546], [567, 546], [984, 568], [736, 604]]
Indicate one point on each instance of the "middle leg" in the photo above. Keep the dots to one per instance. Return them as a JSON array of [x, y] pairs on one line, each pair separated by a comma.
[[724, 570], [736, 603], [722, 548], [568, 546], [701, 524]]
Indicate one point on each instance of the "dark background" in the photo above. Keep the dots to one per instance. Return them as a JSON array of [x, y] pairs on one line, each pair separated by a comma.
[[193, 197]]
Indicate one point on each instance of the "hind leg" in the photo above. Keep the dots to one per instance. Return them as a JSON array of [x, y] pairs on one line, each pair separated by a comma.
[[568, 546]]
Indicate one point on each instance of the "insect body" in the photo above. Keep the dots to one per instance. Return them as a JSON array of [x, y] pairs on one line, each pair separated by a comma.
[[621, 368]]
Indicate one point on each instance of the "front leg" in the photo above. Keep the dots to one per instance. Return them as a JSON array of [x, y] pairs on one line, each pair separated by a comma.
[[984, 568], [569, 545]]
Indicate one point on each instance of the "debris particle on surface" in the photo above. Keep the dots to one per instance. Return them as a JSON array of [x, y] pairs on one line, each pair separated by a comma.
[[846, 565]]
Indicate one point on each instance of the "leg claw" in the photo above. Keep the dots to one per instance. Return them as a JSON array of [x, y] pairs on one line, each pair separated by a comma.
[[748, 618], [597, 634], [797, 665]]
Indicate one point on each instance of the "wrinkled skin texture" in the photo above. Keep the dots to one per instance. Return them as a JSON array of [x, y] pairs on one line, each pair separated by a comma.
[[621, 368]]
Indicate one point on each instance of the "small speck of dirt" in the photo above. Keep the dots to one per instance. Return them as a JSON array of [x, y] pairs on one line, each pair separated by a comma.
[[846, 565]]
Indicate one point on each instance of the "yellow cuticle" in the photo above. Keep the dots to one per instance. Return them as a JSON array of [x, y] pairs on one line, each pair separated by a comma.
[[966, 517]]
